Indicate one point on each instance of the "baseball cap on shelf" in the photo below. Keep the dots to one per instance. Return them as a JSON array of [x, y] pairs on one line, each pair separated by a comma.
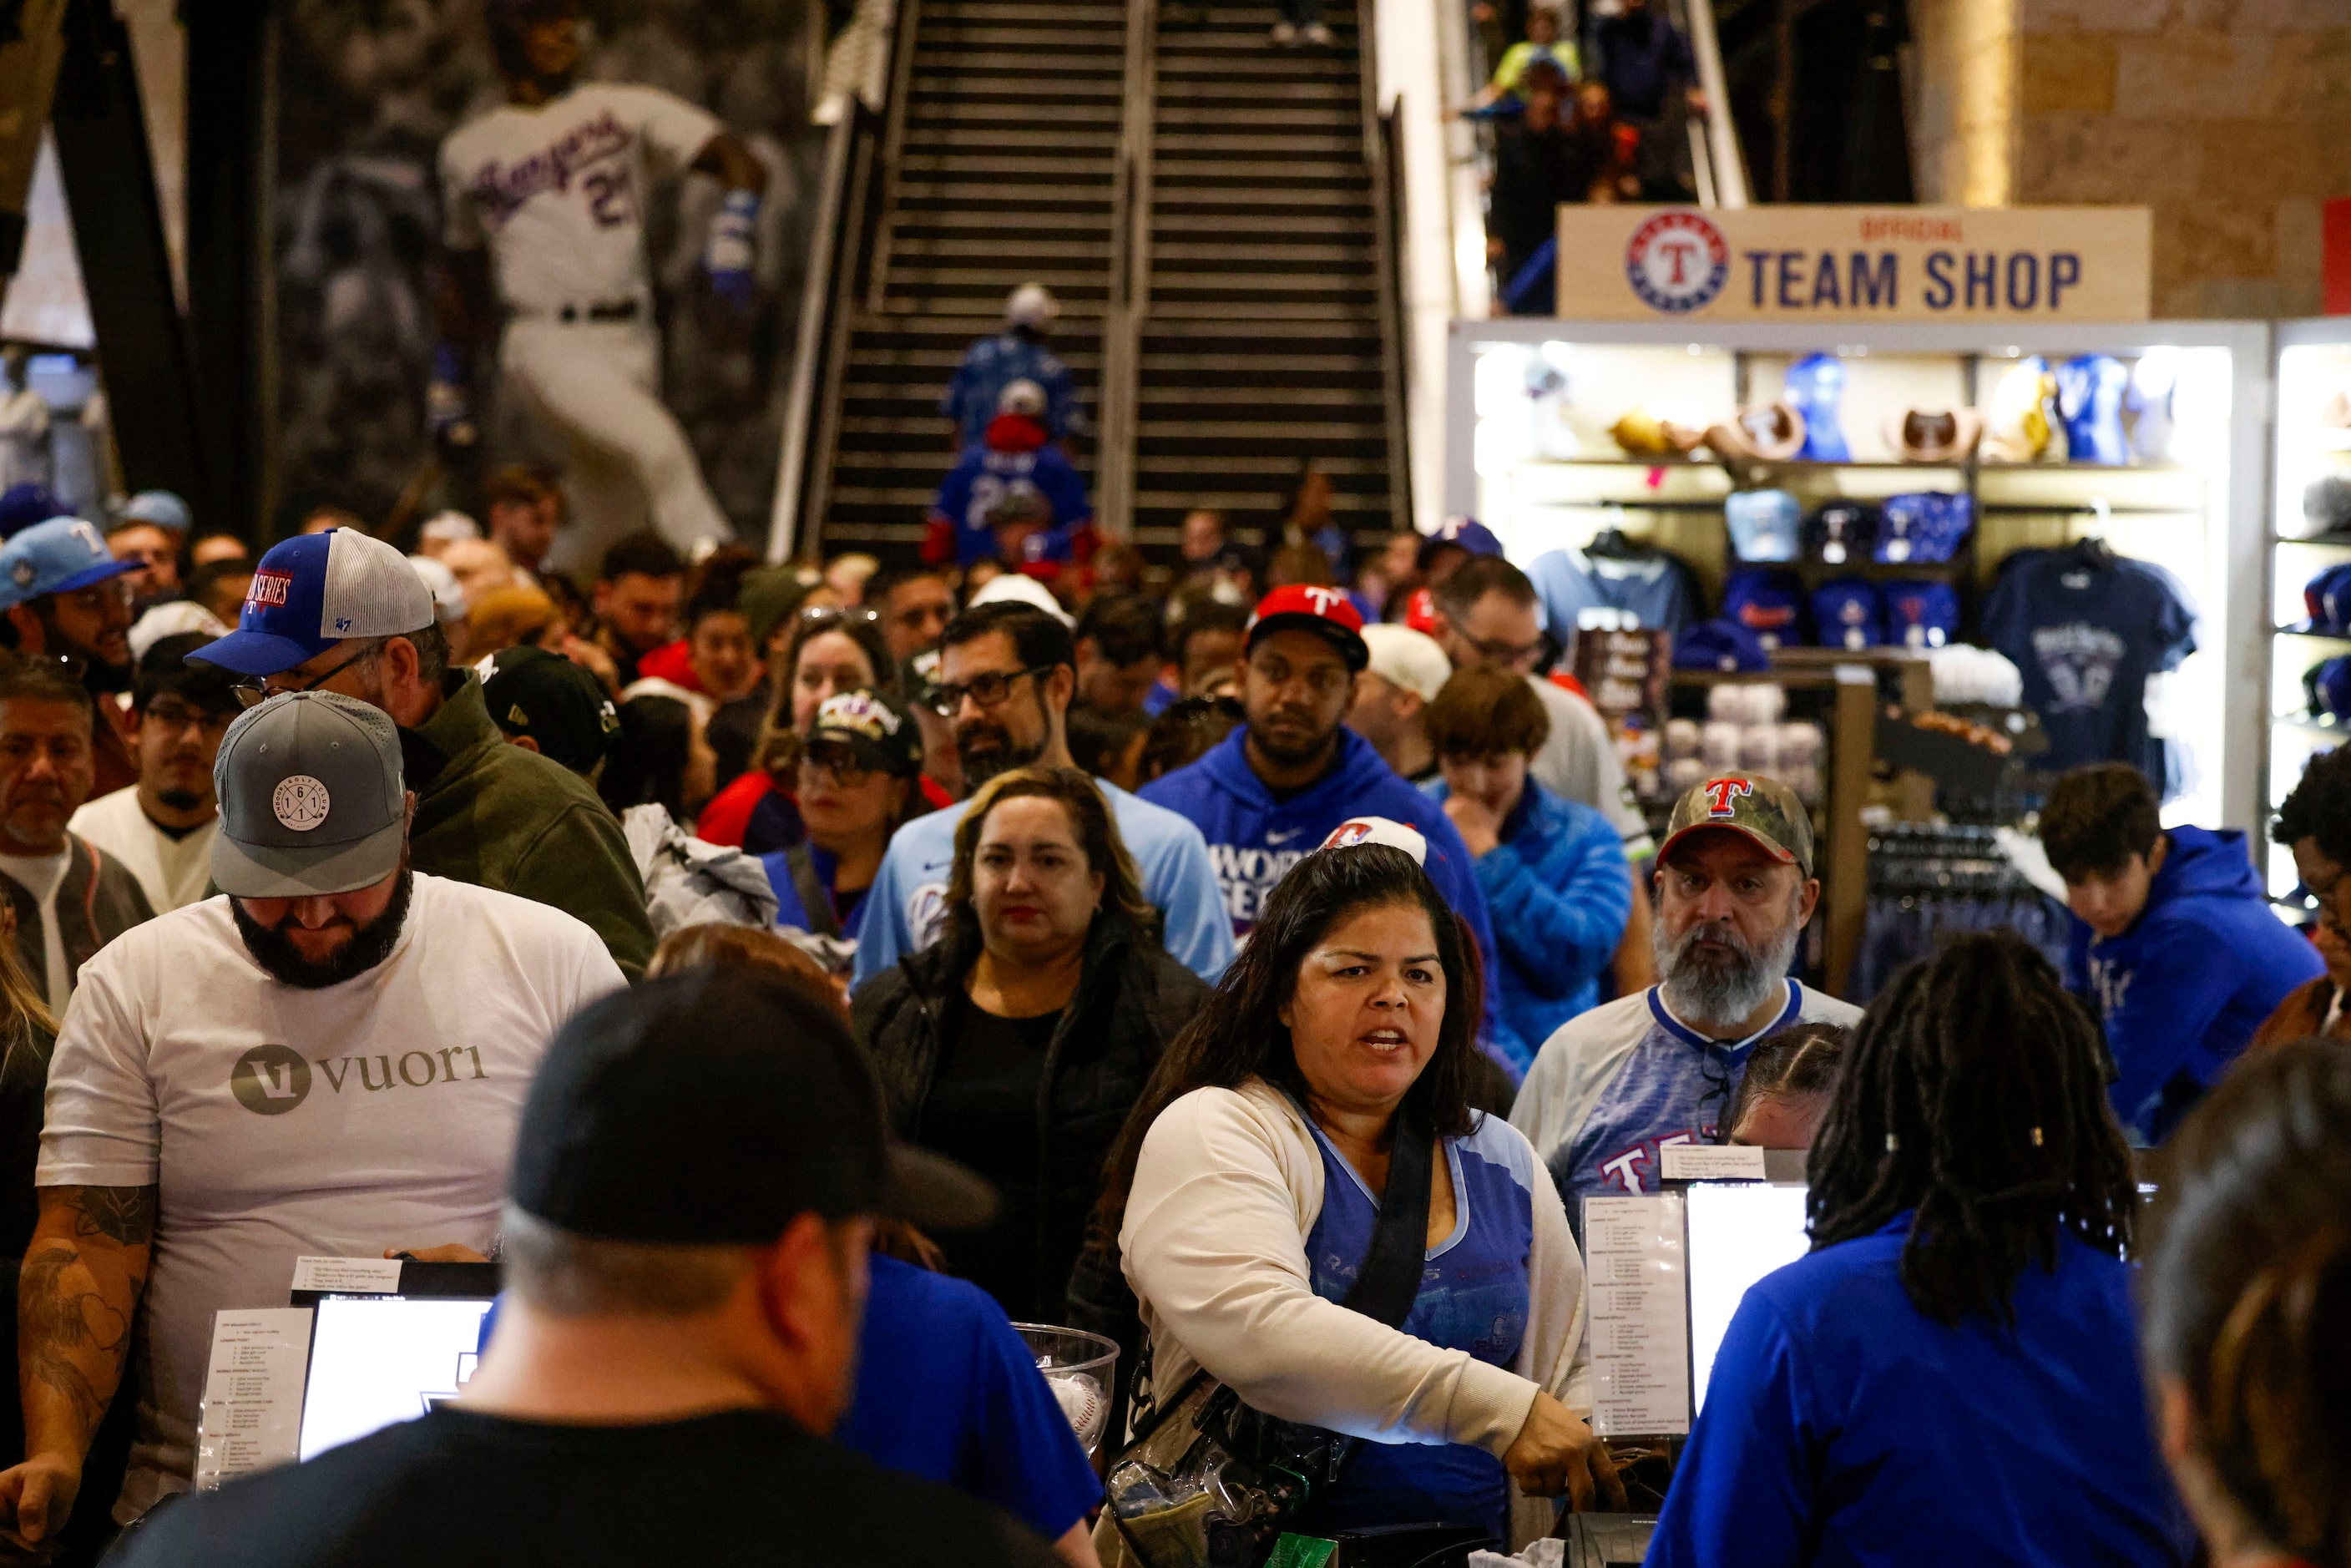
[[1769, 601], [160, 508], [56, 557], [1032, 305], [1724, 646], [711, 1108], [1379, 830], [1323, 610], [313, 590], [546, 696], [1848, 612], [1765, 524], [1464, 533], [311, 798], [875, 730], [2329, 687], [1758, 808], [1920, 615], [22, 506], [1412, 660], [1927, 526]]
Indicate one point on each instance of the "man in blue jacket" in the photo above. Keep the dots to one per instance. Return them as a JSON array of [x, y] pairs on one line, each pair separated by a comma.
[[1270, 793], [2173, 941]]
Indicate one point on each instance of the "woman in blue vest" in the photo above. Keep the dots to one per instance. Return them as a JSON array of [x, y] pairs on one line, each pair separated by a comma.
[[1947, 1377]]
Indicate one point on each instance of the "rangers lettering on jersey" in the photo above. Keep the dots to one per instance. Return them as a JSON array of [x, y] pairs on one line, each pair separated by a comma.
[[500, 188]]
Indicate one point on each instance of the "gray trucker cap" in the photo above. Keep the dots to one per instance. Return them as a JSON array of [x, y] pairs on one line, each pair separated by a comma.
[[311, 798]]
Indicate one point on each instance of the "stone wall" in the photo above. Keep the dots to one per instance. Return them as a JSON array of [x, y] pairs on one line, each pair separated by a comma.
[[2229, 118]]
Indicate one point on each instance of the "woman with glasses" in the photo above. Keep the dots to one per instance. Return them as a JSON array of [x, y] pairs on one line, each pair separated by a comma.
[[856, 782], [1019, 1042], [829, 651]]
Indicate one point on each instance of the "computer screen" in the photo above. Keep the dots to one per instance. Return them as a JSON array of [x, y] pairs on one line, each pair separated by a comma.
[[375, 1360], [1738, 1232]]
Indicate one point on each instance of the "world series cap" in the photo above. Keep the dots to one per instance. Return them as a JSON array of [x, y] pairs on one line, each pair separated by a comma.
[[1322, 611], [873, 728], [311, 798], [1760, 808], [313, 590], [711, 1108], [56, 557]]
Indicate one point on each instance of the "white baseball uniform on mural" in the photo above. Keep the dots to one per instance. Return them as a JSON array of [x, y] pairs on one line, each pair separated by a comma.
[[557, 190]]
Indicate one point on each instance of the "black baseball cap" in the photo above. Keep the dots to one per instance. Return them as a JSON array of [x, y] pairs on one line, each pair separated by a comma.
[[875, 730], [711, 1107], [546, 696]]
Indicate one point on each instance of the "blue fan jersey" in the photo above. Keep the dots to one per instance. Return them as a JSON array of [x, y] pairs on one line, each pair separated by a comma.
[[2086, 637], [994, 363]]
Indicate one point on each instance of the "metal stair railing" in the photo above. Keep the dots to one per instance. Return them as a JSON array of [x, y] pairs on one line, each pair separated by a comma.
[[842, 263], [1719, 167], [1119, 427], [1384, 157]]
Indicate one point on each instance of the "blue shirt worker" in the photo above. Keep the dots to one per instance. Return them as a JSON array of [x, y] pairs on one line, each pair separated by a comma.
[[1552, 870], [1007, 673], [1948, 1376], [2173, 941], [948, 1391], [1272, 790], [1016, 354], [1612, 1087]]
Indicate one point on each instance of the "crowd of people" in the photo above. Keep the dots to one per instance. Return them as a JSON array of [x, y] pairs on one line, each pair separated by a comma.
[[762, 961]]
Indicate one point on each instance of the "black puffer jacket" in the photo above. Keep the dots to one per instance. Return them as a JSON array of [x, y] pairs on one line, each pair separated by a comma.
[[1131, 1000]]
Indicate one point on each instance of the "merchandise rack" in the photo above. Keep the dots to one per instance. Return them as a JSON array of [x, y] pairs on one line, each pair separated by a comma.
[[2203, 516], [2313, 362]]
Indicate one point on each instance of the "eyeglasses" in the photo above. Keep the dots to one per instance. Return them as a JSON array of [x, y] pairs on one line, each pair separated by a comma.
[[1511, 654], [848, 768], [987, 691], [172, 713], [261, 688]]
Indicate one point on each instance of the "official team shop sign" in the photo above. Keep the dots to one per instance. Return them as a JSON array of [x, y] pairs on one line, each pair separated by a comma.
[[1853, 263]]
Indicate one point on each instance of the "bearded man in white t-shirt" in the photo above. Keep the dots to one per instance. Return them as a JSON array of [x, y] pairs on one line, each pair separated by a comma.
[[329, 1060]]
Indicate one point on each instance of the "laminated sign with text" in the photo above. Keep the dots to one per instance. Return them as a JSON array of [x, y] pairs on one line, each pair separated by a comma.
[[1823, 265]]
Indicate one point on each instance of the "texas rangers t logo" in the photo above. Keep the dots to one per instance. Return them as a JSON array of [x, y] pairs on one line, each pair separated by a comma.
[[1677, 262], [1721, 792], [1322, 599]]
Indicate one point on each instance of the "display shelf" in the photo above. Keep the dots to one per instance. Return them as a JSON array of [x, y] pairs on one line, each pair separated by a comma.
[[2312, 363]]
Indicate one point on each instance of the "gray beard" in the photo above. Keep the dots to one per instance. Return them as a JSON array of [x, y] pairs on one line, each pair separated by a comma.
[[1722, 994]]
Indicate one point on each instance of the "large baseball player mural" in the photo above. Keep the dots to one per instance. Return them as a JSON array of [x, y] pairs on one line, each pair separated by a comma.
[[544, 224]]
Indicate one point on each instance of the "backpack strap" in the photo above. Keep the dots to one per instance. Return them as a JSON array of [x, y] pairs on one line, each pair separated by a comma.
[[816, 899], [1390, 1277]]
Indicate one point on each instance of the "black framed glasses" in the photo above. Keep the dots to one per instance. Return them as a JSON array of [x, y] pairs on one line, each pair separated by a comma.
[[259, 689], [173, 712], [990, 690], [849, 769]]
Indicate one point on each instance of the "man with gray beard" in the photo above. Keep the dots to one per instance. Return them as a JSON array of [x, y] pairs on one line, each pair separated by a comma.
[[1734, 888]]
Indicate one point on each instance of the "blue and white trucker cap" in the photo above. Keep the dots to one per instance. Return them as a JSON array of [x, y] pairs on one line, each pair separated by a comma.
[[56, 557], [313, 592]]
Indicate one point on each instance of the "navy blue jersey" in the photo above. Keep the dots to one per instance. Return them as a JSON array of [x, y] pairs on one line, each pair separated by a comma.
[[986, 475], [2086, 636]]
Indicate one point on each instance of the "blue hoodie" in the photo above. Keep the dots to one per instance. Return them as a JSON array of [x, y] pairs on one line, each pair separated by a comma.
[[1254, 839], [2184, 989], [1559, 891]]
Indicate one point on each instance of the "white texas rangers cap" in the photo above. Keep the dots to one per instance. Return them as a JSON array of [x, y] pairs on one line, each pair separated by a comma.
[[1379, 830], [313, 590]]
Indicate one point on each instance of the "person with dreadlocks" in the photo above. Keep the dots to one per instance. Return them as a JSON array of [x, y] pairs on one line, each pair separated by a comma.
[[1947, 1376]]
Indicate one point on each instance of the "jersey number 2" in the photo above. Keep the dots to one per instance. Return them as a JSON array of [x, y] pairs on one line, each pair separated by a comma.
[[610, 201]]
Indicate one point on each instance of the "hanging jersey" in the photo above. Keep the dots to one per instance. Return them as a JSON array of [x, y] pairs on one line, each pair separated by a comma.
[[2086, 637], [1473, 1296], [557, 189], [2091, 392], [1815, 386], [1654, 589], [1622, 1081]]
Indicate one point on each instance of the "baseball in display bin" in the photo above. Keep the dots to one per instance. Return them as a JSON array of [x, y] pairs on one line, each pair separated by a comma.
[[2084, 499]]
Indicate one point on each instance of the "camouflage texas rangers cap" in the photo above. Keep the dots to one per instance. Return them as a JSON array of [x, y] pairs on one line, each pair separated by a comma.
[[1764, 810]]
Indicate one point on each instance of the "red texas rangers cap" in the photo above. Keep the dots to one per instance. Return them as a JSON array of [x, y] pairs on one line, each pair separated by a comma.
[[1326, 611]]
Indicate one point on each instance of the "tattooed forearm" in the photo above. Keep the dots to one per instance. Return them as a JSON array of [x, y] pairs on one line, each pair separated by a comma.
[[72, 1339], [123, 1214], [77, 1292]]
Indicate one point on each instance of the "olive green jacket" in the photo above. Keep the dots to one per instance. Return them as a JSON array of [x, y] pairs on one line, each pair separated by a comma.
[[500, 816]]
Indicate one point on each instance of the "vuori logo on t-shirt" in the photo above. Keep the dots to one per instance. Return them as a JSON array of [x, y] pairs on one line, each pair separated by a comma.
[[271, 1080]]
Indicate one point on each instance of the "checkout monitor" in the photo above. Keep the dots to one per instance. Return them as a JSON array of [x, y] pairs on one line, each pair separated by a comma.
[[377, 1360], [1739, 1231]]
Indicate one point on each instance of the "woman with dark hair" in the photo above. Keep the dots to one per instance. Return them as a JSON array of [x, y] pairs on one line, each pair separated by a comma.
[[660, 758], [828, 652], [1947, 1376], [1785, 1090], [2248, 1310], [855, 787], [1247, 1185], [1017, 1043]]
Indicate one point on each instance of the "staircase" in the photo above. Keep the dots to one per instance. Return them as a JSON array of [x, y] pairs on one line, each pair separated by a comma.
[[1261, 343], [1001, 159]]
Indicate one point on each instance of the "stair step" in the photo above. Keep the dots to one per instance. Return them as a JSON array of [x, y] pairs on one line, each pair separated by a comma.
[[964, 65], [1336, 119], [970, 115], [1251, 141], [1252, 254], [1090, 169]]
